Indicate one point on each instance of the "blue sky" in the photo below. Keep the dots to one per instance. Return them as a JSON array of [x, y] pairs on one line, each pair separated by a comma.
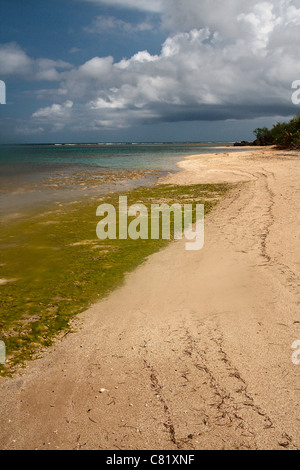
[[137, 70]]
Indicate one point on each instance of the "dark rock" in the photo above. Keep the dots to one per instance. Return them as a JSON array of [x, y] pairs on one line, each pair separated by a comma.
[[244, 143]]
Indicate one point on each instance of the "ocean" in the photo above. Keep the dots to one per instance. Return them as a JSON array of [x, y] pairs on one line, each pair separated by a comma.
[[24, 159], [43, 173]]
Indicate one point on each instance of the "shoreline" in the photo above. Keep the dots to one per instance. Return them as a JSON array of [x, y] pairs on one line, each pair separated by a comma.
[[60, 188], [56, 245], [194, 350], [67, 184], [198, 169]]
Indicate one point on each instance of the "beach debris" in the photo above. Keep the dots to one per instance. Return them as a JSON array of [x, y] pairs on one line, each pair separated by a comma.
[[6, 281], [83, 243], [103, 390], [49, 222]]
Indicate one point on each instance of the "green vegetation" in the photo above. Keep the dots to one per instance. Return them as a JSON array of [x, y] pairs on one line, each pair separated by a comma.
[[56, 266], [284, 135]]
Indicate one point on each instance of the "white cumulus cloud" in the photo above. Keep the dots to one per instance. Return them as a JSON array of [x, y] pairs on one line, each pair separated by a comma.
[[15, 61], [221, 60], [104, 24], [144, 5]]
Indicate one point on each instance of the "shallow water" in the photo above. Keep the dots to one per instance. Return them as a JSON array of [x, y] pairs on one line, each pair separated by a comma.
[[31, 174], [30, 159]]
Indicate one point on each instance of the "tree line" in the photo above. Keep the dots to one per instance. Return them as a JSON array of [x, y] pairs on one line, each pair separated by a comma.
[[283, 135]]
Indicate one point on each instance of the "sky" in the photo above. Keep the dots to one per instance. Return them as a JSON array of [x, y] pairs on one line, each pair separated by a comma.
[[146, 70]]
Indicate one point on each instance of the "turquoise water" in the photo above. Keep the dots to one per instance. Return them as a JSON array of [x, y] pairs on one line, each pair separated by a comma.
[[25, 171], [18, 160]]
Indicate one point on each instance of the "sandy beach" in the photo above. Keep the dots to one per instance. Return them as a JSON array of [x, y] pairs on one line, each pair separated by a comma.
[[195, 350]]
